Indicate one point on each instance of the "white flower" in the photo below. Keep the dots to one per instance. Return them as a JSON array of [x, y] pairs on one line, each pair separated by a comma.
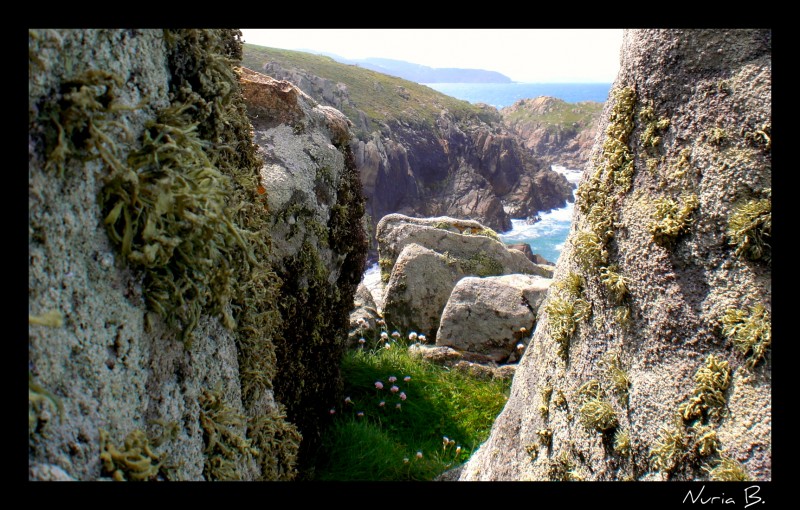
[[384, 335], [387, 345], [419, 455], [347, 400], [362, 340], [405, 460], [412, 336], [422, 338], [332, 411], [395, 334], [520, 346], [397, 405], [360, 413]]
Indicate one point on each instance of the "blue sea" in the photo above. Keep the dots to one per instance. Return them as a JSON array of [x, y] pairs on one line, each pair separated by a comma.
[[545, 237], [501, 95]]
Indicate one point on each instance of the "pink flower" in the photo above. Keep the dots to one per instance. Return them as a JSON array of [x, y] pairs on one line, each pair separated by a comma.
[[422, 338], [392, 378], [419, 455], [379, 385], [520, 346], [362, 341], [394, 389], [387, 345], [382, 403], [360, 413], [384, 335], [412, 336], [396, 334], [347, 400], [332, 411], [397, 405], [407, 378], [402, 395], [405, 460]]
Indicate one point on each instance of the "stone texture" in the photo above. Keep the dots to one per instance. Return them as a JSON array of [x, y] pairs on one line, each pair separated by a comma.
[[485, 315], [444, 250], [113, 363], [714, 87]]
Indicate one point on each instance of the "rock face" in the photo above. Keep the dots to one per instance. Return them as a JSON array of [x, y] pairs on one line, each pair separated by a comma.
[[465, 166], [556, 131], [165, 285], [491, 315], [651, 359], [423, 258]]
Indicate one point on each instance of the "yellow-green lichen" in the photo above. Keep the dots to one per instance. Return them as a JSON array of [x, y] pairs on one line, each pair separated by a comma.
[[589, 248], [671, 218], [134, 462], [562, 318], [650, 138], [750, 332], [532, 450], [704, 439], [596, 412], [227, 450], [544, 407], [385, 265], [615, 375], [670, 448], [52, 319], [727, 470], [615, 283], [622, 442], [708, 398], [545, 436], [716, 136], [278, 442], [39, 398], [562, 469], [750, 228]]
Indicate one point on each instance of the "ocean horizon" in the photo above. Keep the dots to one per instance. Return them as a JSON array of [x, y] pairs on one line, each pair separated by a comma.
[[501, 95]]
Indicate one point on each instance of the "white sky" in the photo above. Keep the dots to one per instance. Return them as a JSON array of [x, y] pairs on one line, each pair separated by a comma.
[[524, 55]]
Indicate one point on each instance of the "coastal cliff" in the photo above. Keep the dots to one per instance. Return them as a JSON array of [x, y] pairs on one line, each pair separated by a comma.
[[652, 359], [419, 152], [557, 132]]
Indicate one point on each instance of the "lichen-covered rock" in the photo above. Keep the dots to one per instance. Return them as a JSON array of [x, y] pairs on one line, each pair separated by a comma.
[[156, 326], [364, 315], [492, 315], [651, 358]]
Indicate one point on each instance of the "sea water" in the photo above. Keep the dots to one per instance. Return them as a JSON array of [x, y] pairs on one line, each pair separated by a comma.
[[546, 237], [501, 95]]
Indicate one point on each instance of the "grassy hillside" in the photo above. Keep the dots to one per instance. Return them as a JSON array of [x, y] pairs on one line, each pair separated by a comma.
[[380, 96], [554, 113]]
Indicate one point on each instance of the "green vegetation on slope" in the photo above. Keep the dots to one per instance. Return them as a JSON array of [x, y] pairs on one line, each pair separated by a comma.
[[379, 96], [558, 115], [404, 418]]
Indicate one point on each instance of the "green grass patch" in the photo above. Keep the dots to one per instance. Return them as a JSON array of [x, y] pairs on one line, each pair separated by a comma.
[[432, 421]]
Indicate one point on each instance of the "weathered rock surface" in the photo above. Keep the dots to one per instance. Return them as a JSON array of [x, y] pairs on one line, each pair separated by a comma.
[[557, 132], [364, 315], [110, 368], [691, 109], [478, 365], [491, 315], [423, 259]]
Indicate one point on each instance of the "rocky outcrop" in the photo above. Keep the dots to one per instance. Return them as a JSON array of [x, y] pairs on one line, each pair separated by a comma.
[[558, 133], [436, 160], [492, 315], [167, 285], [423, 258], [651, 358]]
